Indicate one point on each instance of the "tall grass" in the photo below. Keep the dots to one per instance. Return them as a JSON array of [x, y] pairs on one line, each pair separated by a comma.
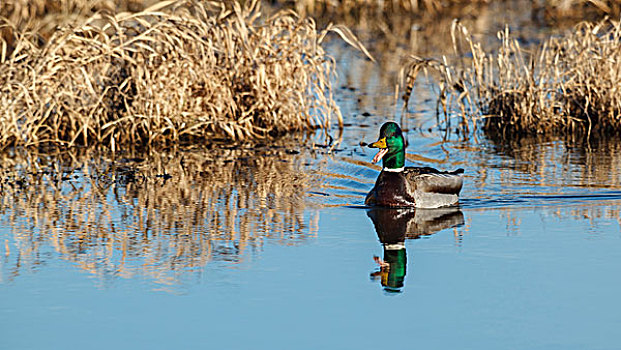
[[560, 10], [567, 85], [387, 8], [44, 17], [549, 10], [180, 71]]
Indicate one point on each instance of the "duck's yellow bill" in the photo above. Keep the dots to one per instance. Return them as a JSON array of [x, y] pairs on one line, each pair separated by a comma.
[[381, 143]]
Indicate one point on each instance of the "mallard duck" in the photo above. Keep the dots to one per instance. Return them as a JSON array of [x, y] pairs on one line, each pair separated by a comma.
[[400, 186]]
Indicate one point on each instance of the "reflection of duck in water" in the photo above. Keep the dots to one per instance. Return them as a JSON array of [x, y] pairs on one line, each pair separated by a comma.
[[400, 186], [393, 226]]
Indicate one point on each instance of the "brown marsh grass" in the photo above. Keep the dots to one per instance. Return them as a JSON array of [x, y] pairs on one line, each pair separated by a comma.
[[567, 85], [361, 8], [179, 71], [44, 17], [563, 10], [163, 215], [547, 10]]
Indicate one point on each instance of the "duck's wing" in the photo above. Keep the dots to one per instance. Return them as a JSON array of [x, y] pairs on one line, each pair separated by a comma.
[[430, 180]]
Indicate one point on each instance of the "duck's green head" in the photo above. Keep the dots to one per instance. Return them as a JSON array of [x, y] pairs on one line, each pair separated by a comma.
[[391, 145]]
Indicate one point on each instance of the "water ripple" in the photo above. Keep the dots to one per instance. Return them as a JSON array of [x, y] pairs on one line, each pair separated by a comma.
[[533, 200]]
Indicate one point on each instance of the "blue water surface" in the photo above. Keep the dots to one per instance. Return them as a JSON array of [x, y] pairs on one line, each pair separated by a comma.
[[545, 283]]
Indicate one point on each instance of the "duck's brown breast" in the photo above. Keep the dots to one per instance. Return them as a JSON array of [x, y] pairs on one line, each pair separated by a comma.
[[391, 190]]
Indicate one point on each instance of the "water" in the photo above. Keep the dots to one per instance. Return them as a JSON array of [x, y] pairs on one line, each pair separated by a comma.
[[269, 246]]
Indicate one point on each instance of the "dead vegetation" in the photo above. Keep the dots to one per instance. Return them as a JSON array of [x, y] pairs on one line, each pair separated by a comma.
[[567, 85], [44, 17], [547, 10], [344, 8], [179, 71], [562, 10]]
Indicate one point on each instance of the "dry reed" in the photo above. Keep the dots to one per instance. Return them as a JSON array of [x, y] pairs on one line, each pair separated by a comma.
[[549, 10], [562, 10], [44, 17], [568, 85], [180, 71], [388, 8]]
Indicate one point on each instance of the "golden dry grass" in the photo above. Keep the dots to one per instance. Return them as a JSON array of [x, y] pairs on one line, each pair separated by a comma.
[[561, 10], [180, 71], [44, 17], [549, 10], [567, 85], [388, 7]]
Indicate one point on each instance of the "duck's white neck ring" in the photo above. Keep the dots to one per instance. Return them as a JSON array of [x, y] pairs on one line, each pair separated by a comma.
[[395, 246], [395, 170]]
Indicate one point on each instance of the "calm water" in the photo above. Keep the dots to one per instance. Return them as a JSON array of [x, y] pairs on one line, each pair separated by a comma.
[[269, 246]]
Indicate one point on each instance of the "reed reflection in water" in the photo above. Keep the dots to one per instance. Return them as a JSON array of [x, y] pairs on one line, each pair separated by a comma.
[[163, 216], [394, 226]]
